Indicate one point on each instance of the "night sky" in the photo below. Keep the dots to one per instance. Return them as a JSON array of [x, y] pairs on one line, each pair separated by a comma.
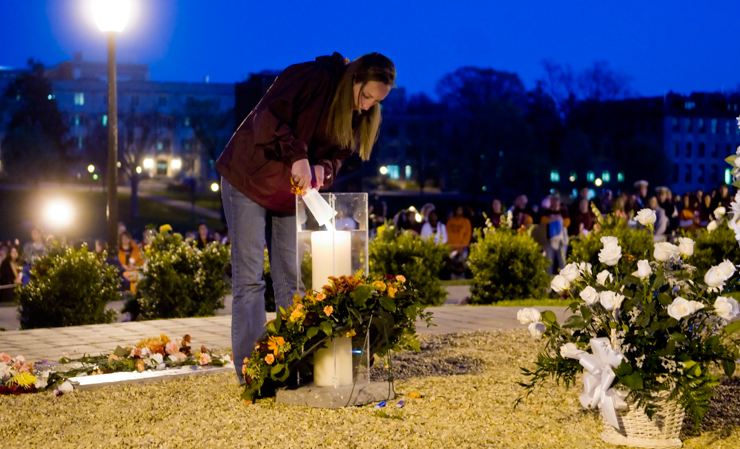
[[677, 45]]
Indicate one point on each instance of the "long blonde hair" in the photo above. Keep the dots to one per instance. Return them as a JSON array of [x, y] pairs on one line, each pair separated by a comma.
[[366, 68]]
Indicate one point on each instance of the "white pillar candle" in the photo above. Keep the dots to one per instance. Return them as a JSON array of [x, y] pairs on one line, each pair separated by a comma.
[[332, 366], [331, 255]]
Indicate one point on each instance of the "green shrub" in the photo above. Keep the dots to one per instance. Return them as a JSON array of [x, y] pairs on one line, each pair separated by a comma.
[[712, 248], [419, 260], [635, 242], [180, 280], [69, 287], [506, 265]]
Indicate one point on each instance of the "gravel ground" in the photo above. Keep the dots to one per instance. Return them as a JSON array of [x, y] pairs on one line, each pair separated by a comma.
[[468, 387]]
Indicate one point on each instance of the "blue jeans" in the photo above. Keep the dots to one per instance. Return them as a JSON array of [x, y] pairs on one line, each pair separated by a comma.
[[250, 227]]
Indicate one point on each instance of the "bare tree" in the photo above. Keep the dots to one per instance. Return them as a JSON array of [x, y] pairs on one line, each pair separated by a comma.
[[137, 136]]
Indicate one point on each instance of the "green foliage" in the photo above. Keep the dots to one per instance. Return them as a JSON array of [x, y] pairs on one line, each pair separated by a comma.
[[69, 287], [419, 260], [635, 242], [506, 265], [181, 280], [714, 247]]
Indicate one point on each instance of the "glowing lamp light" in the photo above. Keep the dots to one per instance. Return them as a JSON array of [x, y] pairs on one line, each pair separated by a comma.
[[572, 178], [176, 164], [418, 217], [59, 213], [111, 15], [138, 169], [384, 170], [598, 182], [214, 187], [148, 163], [91, 168], [95, 177]]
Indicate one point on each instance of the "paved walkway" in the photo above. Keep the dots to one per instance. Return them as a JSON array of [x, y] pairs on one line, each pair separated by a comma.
[[215, 332]]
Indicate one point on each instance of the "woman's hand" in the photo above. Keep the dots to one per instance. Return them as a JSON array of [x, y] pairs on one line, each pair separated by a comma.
[[318, 174], [301, 172]]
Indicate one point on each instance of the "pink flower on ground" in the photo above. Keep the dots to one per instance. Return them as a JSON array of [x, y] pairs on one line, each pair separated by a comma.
[[21, 367], [172, 347], [65, 355], [5, 358], [20, 358], [205, 359]]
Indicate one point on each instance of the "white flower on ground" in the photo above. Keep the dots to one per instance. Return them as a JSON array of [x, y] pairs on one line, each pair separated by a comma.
[[157, 358], [682, 307], [715, 278], [712, 226], [685, 246], [611, 300], [528, 315], [728, 268], [559, 284], [610, 254], [604, 277], [646, 217], [589, 295], [585, 268], [720, 212], [571, 351], [570, 272], [664, 251], [537, 329], [643, 269], [726, 308]]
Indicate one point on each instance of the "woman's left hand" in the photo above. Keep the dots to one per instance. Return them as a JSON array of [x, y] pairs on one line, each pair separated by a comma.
[[318, 176]]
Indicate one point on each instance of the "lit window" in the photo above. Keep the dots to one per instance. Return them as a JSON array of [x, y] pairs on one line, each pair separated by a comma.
[[590, 176], [79, 142], [50, 97], [620, 177], [408, 171], [605, 176], [187, 121], [160, 146], [714, 126], [77, 119], [689, 126], [105, 119], [554, 176], [79, 98], [701, 125], [728, 176], [393, 171]]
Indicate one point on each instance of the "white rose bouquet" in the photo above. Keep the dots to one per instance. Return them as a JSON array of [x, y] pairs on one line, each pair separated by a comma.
[[653, 328]]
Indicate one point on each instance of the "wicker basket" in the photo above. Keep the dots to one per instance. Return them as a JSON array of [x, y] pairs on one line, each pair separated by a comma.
[[637, 430]]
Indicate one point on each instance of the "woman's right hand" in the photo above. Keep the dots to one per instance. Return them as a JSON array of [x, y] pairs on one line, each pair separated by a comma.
[[301, 172]]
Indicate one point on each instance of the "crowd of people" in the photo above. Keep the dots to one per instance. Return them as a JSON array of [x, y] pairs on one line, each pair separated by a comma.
[[16, 259], [556, 220]]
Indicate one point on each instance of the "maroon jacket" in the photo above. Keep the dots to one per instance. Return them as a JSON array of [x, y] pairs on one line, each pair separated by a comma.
[[287, 125]]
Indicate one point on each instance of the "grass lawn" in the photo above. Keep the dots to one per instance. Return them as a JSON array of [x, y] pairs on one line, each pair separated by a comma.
[[209, 200], [529, 303], [468, 384]]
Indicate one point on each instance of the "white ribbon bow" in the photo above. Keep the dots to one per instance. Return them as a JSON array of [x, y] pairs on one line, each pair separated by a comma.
[[598, 377]]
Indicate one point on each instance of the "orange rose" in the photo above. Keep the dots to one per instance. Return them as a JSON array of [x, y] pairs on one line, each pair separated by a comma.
[[320, 297], [328, 310], [269, 358], [400, 278]]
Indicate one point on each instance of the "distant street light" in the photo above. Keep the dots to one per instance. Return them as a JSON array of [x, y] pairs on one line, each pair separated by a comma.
[[59, 213], [111, 17], [598, 182], [138, 169], [148, 163], [91, 168], [176, 164], [214, 187], [384, 170]]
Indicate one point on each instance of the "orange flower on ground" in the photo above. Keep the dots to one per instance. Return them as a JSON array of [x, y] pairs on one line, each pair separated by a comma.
[[164, 339], [400, 278], [274, 344], [297, 313], [140, 365], [113, 357], [244, 370], [204, 359], [320, 297], [328, 310], [392, 289], [269, 358]]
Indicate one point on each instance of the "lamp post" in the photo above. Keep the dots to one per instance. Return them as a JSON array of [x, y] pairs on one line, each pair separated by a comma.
[[111, 16]]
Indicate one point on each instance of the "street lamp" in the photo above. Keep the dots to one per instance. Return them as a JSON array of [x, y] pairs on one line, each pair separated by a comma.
[[91, 168], [111, 16]]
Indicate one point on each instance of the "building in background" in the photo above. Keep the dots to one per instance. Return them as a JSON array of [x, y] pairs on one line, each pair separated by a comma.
[[172, 130]]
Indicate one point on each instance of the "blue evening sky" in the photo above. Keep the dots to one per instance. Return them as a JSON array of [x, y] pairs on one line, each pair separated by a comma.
[[677, 45]]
